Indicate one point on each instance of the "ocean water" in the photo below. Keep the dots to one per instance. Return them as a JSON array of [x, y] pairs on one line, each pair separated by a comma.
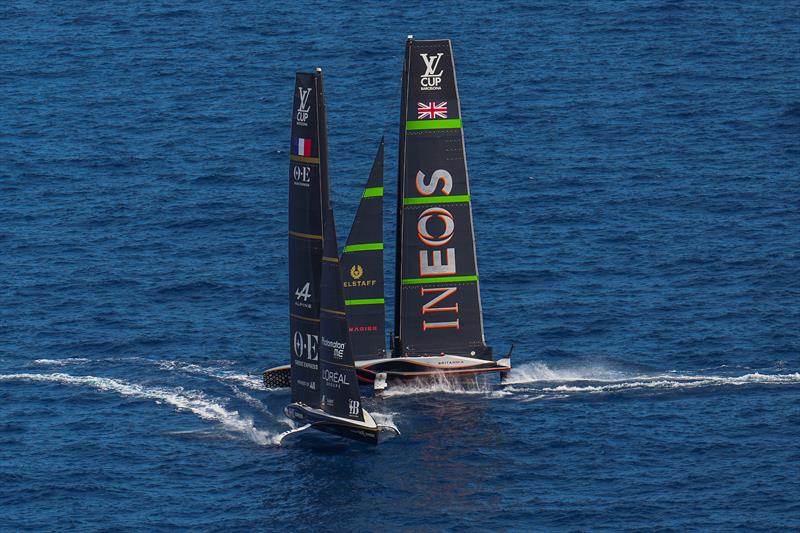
[[635, 174]]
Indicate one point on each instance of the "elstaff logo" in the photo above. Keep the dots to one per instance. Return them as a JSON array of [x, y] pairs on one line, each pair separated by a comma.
[[356, 272]]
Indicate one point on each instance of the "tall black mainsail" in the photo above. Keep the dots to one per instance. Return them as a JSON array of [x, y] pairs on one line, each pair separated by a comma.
[[340, 394], [323, 377], [307, 181], [438, 309], [362, 270]]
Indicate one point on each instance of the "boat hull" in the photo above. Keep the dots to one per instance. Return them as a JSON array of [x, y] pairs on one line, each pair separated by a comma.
[[394, 369], [366, 431]]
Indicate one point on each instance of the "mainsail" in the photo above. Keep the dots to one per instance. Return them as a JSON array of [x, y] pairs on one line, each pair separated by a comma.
[[362, 270], [307, 181], [340, 394], [438, 309]]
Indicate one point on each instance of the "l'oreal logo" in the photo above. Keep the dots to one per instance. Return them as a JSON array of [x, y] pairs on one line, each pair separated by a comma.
[[431, 79]]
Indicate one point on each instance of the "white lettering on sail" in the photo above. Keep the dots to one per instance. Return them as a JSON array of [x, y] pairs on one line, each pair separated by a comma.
[[444, 292], [422, 226], [429, 307], [430, 263], [302, 110], [440, 325], [354, 405], [334, 379], [336, 346], [305, 346], [431, 79], [302, 175], [426, 189]]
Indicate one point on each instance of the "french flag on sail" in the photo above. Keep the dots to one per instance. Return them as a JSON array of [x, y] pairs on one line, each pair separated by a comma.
[[302, 147]]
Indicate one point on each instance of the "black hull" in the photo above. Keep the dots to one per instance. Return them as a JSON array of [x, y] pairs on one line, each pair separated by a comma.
[[362, 432]]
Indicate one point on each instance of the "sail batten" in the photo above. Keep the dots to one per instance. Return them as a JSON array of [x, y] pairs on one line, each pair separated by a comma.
[[437, 307]]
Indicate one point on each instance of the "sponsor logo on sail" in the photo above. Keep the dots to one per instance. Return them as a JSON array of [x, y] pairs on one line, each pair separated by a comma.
[[359, 283], [434, 260], [424, 233], [301, 116], [430, 80], [302, 147], [302, 296], [356, 273], [334, 378], [431, 110], [305, 346], [362, 329], [307, 384], [336, 346], [301, 175], [354, 407]]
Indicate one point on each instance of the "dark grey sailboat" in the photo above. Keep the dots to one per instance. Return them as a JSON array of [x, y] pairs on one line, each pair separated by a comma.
[[337, 409], [325, 391], [438, 319]]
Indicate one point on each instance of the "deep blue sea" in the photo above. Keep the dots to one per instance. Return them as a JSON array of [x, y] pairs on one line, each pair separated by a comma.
[[635, 173]]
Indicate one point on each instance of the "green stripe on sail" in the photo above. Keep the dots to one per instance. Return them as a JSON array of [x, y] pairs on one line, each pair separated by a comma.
[[363, 247], [446, 279], [437, 199], [370, 192], [364, 301], [447, 124]]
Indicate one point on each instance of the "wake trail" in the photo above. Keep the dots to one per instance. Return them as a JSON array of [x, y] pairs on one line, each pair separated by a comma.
[[538, 377], [246, 380], [61, 362], [444, 384], [538, 381], [193, 401]]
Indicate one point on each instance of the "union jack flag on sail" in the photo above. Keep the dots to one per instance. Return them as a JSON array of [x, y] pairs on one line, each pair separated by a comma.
[[431, 110]]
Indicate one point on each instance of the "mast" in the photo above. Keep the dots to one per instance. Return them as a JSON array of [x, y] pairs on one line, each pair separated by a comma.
[[438, 307], [362, 270], [397, 344], [323, 143], [307, 180]]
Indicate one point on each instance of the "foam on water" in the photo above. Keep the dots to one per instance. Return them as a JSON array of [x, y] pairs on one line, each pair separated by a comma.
[[385, 419], [538, 371], [444, 384], [571, 380], [680, 382], [61, 362], [249, 381], [193, 401], [255, 403]]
